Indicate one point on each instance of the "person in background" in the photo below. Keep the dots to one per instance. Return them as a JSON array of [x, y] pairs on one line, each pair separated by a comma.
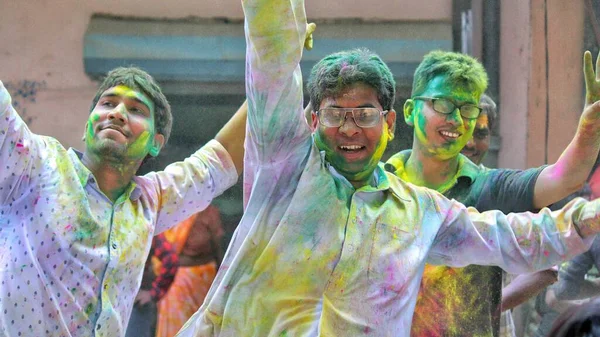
[[582, 320], [155, 284], [444, 110], [197, 241], [330, 244]]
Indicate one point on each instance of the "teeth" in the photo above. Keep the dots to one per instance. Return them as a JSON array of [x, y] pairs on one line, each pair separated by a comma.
[[449, 134], [350, 147]]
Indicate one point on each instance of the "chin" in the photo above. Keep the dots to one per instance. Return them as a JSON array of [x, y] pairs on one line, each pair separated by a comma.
[[110, 150]]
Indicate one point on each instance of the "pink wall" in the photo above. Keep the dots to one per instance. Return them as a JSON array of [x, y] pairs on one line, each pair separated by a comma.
[[42, 41], [527, 79]]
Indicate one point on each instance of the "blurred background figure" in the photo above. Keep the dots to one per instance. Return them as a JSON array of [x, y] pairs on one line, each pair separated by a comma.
[[578, 279], [159, 273], [197, 241], [578, 321]]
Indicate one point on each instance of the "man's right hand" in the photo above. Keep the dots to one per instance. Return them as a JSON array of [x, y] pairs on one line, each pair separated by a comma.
[[308, 41]]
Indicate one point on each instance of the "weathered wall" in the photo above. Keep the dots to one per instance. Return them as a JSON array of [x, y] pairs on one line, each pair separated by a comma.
[[42, 43]]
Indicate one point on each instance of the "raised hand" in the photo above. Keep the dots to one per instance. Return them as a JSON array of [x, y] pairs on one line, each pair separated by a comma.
[[591, 111], [592, 78], [308, 41]]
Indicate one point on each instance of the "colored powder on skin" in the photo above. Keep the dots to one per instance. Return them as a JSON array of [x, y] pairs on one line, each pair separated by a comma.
[[141, 146]]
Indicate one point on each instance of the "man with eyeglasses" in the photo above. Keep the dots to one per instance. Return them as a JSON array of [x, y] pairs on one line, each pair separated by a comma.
[[443, 110], [330, 244]]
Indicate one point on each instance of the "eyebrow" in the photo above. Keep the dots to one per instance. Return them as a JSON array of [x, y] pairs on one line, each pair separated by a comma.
[[358, 107], [112, 94]]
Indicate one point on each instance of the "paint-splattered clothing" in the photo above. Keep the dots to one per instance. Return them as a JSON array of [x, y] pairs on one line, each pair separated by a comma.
[[71, 261], [466, 301], [312, 255]]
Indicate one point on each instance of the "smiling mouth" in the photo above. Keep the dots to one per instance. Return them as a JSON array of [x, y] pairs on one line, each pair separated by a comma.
[[351, 148], [450, 134], [116, 128]]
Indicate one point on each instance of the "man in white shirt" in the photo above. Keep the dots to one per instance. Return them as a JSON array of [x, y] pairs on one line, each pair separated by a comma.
[[330, 244], [76, 228]]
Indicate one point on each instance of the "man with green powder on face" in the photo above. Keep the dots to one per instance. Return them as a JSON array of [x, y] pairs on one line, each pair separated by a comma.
[[76, 228], [330, 244], [443, 109]]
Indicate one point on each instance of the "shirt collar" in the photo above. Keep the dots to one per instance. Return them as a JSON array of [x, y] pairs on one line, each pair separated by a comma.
[[85, 176], [379, 181], [466, 168]]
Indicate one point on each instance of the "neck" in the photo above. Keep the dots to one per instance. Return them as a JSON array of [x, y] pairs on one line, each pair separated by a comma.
[[358, 183], [112, 176], [426, 170]]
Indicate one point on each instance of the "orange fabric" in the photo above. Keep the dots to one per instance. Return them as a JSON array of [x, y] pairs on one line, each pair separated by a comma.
[[184, 298], [191, 284]]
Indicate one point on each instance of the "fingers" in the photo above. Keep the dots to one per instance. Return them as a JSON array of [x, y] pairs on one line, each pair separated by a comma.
[[597, 65], [308, 41], [588, 70]]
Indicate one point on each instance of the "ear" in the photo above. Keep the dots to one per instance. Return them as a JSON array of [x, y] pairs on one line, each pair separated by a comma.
[[157, 144], [409, 109], [314, 120], [390, 119]]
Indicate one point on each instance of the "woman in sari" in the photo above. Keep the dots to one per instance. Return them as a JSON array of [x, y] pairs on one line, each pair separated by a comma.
[[197, 241]]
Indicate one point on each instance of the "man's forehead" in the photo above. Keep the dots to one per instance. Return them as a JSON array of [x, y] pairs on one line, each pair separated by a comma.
[[358, 93], [122, 90], [442, 86]]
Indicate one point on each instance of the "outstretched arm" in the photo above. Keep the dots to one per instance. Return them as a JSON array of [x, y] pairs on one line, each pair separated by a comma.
[[525, 286], [19, 152], [572, 168], [517, 242], [231, 136]]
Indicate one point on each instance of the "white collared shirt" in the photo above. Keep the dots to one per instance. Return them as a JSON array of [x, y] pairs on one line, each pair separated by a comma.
[[312, 255], [71, 261]]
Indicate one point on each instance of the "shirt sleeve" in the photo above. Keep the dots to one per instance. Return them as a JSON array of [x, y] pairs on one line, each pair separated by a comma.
[[277, 130], [19, 151], [189, 186], [517, 242], [511, 190], [165, 252]]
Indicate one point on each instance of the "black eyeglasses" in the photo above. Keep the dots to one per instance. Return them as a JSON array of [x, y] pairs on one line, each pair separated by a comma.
[[446, 106], [363, 117]]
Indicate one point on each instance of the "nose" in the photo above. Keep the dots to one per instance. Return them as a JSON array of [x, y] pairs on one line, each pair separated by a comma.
[[455, 118], [349, 128], [119, 113]]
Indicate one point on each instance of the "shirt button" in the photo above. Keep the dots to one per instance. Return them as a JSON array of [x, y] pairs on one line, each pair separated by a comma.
[[114, 245]]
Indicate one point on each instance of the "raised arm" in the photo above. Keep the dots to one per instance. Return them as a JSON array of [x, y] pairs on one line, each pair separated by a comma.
[[573, 166], [275, 36], [231, 136], [517, 242], [189, 186], [19, 151]]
